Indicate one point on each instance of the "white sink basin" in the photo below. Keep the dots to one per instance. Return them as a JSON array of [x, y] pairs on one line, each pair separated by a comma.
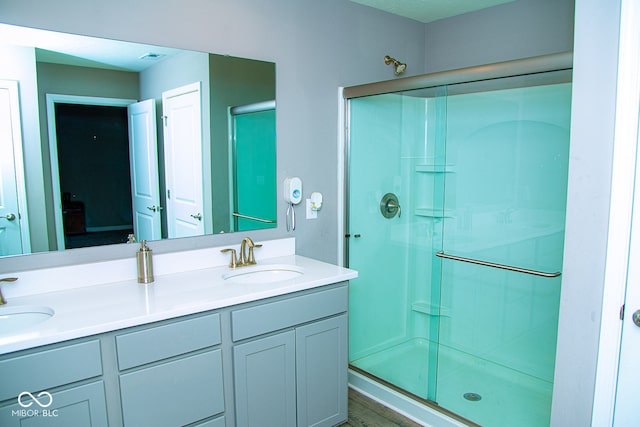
[[267, 273], [15, 319]]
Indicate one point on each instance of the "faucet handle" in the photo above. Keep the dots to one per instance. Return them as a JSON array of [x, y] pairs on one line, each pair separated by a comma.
[[252, 259], [7, 280], [234, 260]]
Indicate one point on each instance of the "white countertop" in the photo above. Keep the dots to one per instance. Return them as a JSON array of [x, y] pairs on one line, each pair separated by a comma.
[[89, 310]]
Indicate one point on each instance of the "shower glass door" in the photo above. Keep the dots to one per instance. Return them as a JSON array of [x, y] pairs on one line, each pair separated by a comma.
[[254, 169], [457, 299], [395, 225]]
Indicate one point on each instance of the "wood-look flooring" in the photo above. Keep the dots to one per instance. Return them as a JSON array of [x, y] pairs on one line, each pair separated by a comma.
[[364, 412]]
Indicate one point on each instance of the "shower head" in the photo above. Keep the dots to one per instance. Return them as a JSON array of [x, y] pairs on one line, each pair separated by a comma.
[[399, 66]]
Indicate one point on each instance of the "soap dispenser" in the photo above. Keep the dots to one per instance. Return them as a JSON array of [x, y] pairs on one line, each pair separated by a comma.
[[145, 265]]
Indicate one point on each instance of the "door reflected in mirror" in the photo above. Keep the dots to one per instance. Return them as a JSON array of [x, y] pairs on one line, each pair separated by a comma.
[[186, 145]]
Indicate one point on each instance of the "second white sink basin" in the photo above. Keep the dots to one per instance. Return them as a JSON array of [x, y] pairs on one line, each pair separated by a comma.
[[267, 273], [15, 319]]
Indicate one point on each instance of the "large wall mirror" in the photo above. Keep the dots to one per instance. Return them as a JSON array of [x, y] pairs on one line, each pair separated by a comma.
[[107, 139]]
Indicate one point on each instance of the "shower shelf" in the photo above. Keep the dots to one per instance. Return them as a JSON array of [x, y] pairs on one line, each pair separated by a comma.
[[434, 168], [434, 213], [429, 309]]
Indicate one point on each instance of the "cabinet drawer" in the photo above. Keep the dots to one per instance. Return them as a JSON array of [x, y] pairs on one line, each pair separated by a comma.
[[268, 317], [49, 368], [175, 393], [160, 342], [75, 407]]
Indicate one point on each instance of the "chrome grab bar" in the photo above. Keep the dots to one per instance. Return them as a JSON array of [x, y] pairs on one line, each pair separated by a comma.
[[495, 265], [253, 218]]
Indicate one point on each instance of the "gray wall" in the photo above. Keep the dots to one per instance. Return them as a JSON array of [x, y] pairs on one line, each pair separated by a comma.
[[514, 30]]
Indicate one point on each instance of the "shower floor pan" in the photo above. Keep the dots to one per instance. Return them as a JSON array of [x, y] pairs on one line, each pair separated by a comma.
[[483, 392]]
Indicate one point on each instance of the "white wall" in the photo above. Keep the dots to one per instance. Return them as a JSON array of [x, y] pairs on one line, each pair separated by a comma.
[[590, 169], [317, 46]]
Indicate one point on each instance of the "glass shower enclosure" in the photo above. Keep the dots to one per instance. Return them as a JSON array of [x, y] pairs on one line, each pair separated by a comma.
[[455, 221], [252, 140]]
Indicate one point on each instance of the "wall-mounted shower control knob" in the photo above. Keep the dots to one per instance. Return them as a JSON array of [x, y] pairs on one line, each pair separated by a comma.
[[390, 206], [636, 318]]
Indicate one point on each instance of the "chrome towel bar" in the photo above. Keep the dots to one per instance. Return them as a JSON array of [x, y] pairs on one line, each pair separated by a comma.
[[253, 218], [495, 265]]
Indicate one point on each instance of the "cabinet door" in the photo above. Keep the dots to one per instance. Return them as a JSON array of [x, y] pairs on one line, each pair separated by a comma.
[[77, 407], [321, 370], [265, 385]]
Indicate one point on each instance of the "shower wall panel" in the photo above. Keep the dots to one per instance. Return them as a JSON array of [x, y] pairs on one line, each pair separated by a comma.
[[386, 250]]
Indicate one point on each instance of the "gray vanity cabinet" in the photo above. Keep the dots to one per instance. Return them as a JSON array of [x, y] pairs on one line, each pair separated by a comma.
[[64, 379], [321, 372], [296, 376], [279, 362], [171, 375], [265, 381]]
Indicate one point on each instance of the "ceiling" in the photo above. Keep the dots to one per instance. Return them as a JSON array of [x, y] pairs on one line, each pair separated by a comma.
[[84, 51], [430, 10], [91, 52]]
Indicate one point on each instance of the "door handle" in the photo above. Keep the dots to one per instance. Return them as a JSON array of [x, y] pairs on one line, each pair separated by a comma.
[[197, 216], [155, 208], [8, 217]]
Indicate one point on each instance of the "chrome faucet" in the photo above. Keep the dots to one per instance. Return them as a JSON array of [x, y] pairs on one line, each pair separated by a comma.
[[6, 279], [245, 258]]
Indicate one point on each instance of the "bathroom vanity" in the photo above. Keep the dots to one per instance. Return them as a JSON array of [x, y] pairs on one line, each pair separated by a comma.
[[207, 346]]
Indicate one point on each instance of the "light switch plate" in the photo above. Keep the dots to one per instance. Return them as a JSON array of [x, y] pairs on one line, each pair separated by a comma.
[[311, 214]]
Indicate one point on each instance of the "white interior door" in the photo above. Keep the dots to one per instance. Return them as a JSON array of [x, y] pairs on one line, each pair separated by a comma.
[[625, 215], [14, 238], [626, 403], [182, 116], [145, 183]]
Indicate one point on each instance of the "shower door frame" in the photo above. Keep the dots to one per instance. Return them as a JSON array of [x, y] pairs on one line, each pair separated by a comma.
[[533, 68]]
